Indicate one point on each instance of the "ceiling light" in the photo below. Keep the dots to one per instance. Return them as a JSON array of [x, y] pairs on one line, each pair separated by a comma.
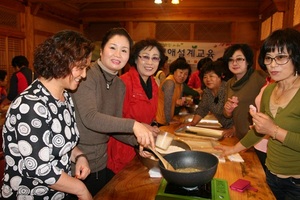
[[158, 1], [175, 1]]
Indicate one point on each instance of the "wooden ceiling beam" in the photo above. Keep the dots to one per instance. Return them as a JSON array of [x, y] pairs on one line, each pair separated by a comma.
[[170, 15]]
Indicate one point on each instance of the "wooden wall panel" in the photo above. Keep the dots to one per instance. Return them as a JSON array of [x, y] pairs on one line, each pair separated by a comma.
[[142, 30]]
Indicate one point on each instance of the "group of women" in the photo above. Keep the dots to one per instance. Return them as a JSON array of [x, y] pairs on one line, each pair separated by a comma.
[[108, 112]]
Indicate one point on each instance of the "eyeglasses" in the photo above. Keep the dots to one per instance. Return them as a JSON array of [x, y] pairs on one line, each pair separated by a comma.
[[238, 60], [279, 60], [147, 58]]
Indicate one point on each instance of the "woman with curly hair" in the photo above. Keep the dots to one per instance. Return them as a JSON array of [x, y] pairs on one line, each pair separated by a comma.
[[40, 132]]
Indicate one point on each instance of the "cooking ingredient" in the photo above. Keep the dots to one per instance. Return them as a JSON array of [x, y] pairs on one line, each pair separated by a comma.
[[188, 170]]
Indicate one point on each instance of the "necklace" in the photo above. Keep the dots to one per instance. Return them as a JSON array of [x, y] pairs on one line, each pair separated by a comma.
[[277, 99], [108, 83]]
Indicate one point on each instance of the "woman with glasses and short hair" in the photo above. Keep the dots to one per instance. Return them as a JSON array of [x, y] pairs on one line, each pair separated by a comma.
[[243, 87], [170, 92], [141, 96], [278, 116]]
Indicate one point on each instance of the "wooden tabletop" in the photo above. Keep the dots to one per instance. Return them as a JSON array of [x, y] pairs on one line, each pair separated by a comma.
[[134, 183]]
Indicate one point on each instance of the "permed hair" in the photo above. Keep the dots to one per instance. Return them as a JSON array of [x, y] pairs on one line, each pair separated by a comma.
[[57, 55]]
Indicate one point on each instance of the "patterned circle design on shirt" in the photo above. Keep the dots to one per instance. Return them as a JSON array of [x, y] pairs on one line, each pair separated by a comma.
[[45, 92], [34, 138], [24, 129], [39, 190], [40, 109], [66, 149], [58, 140], [56, 126], [43, 169], [13, 149], [16, 103], [30, 163], [12, 121], [19, 116], [31, 97], [68, 133], [25, 147], [36, 123], [24, 190], [24, 108], [67, 117], [44, 154], [46, 137], [6, 191], [59, 195], [9, 138], [15, 182], [9, 161], [53, 108], [50, 181], [64, 159], [60, 117]]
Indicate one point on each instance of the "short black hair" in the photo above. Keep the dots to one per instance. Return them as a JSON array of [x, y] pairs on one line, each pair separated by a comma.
[[179, 63], [147, 43], [3, 74], [202, 61], [246, 50], [289, 38], [19, 61]]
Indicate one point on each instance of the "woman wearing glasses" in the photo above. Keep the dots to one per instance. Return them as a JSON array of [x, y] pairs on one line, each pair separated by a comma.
[[279, 114], [170, 92], [141, 96], [243, 87]]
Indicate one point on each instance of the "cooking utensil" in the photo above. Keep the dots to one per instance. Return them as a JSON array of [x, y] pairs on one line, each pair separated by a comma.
[[199, 132], [206, 162], [153, 162], [166, 164]]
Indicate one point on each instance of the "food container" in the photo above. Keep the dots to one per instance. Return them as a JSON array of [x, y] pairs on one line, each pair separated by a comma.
[[199, 132]]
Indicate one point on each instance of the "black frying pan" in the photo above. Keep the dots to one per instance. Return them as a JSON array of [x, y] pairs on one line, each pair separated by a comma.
[[207, 162]]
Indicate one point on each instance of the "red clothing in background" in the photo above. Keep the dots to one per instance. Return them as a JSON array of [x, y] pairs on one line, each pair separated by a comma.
[[136, 106], [194, 81]]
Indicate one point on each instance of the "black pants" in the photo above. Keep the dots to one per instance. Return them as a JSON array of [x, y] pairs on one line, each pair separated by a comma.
[[96, 181], [262, 158]]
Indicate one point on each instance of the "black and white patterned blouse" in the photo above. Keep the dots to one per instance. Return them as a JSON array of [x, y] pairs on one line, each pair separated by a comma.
[[39, 134]]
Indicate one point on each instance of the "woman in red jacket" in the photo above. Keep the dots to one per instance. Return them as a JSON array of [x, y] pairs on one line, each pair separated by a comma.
[[141, 97]]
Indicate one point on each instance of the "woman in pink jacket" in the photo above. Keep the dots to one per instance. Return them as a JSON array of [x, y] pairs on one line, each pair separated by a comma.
[[141, 97]]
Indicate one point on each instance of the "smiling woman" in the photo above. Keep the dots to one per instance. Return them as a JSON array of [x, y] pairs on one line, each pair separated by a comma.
[[141, 96], [44, 135], [170, 91]]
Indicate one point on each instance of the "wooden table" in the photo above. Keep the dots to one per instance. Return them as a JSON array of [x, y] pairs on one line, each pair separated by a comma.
[[134, 183]]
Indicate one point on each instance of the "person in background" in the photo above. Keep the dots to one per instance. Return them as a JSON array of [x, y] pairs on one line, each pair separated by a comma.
[[162, 72], [40, 133], [99, 106], [213, 97], [20, 80], [141, 96], [170, 92], [3, 83], [194, 81], [243, 87], [278, 114]]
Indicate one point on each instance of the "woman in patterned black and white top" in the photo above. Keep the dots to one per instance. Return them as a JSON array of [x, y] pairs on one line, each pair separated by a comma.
[[40, 133]]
